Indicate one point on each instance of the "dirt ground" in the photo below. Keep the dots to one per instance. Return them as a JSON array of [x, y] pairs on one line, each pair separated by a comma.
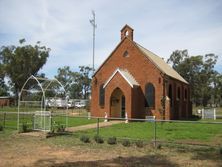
[[18, 150]]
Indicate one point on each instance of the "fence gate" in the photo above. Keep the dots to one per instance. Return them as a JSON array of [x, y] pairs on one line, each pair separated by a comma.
[[209, 113], [42, 120]]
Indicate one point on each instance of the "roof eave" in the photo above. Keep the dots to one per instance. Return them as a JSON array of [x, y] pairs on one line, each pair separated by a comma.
[[111, 77], [135, 44]]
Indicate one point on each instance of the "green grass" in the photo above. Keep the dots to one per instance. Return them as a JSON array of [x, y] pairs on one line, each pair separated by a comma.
[[9, 109], [165, 131], [74, 121], [134, 130], [11, 120]]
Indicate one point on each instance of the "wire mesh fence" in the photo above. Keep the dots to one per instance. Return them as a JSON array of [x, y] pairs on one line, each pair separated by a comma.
[[160, 131], [201, 132]]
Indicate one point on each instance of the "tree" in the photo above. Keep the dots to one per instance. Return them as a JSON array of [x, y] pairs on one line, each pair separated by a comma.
[[76, 88], [65, 76], [3, 86], [198, 71], [77, 84], [217, 89], [206, 78], [70, 81], [177, 57], [20, 62], [85, 80]]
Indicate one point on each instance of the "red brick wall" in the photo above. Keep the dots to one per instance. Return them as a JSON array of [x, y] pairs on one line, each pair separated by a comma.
[[137, 65], [180, 108], [144, 72], [4, 102], [118, 82]]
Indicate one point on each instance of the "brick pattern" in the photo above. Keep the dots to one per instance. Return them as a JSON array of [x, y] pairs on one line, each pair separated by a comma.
[[144, 72], [4, 102]]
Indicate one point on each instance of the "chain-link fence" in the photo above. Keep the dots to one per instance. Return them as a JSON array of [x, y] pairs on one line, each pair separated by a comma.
[[157, 131], [199, 132]]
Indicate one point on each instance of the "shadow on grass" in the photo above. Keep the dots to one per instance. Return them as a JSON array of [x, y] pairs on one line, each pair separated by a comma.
[[207, 154], [193, 118], [54, 134], [202, 153], [149, 160]]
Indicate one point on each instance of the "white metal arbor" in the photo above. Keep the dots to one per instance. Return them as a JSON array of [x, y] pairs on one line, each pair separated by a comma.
[[33, 103]]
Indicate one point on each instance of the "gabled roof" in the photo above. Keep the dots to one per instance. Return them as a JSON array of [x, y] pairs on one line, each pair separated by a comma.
[[127, 27], [110, 55], [125, 74], [156, 60], [161, 64]]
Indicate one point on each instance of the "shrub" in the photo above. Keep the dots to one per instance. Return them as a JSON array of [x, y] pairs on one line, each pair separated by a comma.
[[52, 130], [159, 146], [112, 140], [24, 127], [126, 143], [195, 117], [60, 128], [85, 139], [98, 139], [50, 134], [139, 143], [220, 150], [1, 128]]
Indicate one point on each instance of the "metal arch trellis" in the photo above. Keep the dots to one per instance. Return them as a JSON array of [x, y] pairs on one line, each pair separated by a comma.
[[43, 113]]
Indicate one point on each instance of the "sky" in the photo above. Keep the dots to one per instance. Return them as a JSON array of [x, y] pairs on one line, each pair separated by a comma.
[[161, 26]]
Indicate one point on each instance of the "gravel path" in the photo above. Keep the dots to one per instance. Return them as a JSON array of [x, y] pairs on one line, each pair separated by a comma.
[[92, 126]]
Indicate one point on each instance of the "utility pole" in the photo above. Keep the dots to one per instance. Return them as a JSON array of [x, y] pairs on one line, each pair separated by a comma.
[[93, 22]]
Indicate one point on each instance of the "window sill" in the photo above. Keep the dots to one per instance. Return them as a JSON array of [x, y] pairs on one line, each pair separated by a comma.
[[102, 107]]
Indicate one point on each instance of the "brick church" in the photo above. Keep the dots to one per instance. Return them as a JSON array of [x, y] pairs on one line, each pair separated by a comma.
[[133, 82]]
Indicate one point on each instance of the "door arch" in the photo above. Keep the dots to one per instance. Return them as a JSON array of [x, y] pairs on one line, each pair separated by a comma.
[[117, 104]]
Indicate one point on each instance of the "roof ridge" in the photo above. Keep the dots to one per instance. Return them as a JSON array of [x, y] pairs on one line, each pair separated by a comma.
[[148, 50], [160, 63]]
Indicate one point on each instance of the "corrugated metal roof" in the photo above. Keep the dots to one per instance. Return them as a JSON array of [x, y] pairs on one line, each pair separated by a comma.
[[125, 74], [161, 64]]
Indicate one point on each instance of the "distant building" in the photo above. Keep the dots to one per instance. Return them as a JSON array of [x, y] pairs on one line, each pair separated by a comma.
[[135, 82], [6, 101]]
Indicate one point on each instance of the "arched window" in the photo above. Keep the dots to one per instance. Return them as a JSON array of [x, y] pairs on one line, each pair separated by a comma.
[[150, 95], [101, 95], [178, 93], [185, 94], [126, 33], [170, 95]]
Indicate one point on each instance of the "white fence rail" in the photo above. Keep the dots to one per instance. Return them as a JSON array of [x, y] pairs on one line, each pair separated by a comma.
[[209, 113]]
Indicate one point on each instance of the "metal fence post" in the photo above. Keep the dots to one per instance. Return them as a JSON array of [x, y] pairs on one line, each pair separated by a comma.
[[51, 123], [97, 130], [4, 119], [202, 113], [215, 116], [154, 132], [33, 122]]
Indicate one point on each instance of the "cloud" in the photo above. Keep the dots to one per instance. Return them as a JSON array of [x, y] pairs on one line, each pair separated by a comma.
[[160, 26]]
